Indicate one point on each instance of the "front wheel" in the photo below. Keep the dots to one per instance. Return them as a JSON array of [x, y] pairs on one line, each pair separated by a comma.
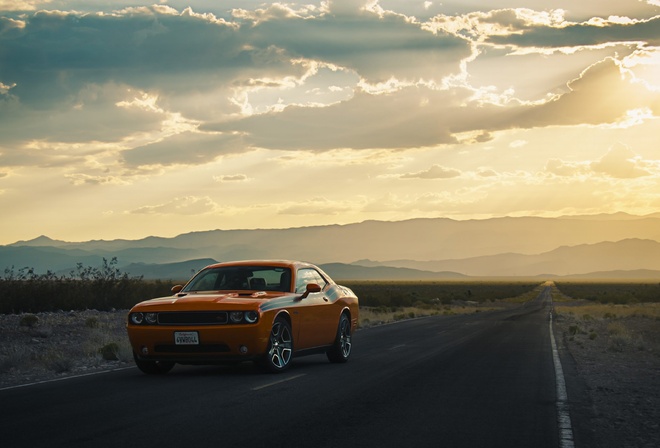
[[280, 347], [341, 349], [153, 367]]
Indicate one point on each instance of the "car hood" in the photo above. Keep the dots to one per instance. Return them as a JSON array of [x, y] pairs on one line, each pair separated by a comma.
[[213, 300]]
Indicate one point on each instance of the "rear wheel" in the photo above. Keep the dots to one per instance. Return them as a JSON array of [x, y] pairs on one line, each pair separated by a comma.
[[341, 349], [153, 367], [280, 347]]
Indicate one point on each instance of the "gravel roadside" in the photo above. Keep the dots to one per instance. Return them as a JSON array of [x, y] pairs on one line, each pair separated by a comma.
[[613, 377]]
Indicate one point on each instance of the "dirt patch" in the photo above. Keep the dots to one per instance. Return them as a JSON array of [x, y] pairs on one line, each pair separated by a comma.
[[43, 346]]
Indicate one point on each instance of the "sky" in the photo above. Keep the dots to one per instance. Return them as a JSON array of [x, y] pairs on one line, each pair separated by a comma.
[[123, 119]]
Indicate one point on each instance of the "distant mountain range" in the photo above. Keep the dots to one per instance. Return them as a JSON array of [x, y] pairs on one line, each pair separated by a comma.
[[624, 255], [603, 246]]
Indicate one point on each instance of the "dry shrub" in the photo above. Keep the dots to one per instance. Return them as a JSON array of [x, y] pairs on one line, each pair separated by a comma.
[[110, 351], [58, 362], [590, 311], [616, 329], [15, 357], [622, 338], [29, 320]]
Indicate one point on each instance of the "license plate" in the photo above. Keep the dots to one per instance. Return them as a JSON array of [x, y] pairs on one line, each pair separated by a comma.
[[186, 338]]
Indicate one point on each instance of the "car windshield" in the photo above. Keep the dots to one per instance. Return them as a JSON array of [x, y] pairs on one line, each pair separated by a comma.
[[242, 278]]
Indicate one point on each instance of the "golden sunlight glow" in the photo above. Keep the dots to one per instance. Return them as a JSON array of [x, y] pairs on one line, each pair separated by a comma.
[[282, 115]]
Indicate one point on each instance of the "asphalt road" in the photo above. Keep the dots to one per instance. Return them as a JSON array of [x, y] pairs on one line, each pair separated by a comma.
[[483, 380]]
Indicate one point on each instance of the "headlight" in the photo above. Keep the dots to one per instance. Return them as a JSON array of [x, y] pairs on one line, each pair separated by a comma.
[[251, 317], [151, 318], [236, 316], [137, 318]]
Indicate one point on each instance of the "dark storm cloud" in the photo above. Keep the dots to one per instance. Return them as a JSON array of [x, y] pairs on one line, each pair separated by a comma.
[[63, 75], [55, 53]]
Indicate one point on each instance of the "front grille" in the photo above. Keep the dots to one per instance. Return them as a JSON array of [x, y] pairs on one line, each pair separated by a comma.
[[207, 348], [193, 318]]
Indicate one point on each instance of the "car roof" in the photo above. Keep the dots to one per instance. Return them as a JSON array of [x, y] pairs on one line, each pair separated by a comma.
[[284, 263]]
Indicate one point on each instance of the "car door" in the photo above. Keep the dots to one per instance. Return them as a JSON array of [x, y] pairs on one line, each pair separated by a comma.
[[318, 322]]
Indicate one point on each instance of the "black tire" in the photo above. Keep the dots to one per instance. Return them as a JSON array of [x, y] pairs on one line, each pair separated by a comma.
[[280, 347], [341, 349], [153, 367]]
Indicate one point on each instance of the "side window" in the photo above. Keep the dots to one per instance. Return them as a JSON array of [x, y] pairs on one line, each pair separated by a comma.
[[306, 276]]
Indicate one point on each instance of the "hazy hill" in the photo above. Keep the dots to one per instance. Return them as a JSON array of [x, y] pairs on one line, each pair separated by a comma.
[[64, 258], [499, 246], [342, 271], [625, 255], [638, 274], [181, 271]]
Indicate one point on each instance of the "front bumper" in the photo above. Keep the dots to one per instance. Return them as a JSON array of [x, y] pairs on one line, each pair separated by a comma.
[[217, 343]]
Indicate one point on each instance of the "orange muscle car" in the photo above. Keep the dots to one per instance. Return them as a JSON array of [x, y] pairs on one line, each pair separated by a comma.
[[262, 311]]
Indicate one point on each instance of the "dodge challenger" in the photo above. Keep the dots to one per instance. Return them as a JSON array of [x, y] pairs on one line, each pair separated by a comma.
[[262, 311]]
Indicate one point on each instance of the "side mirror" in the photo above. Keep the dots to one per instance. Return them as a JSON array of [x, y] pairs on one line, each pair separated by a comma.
[[176, 288], [311, 287]]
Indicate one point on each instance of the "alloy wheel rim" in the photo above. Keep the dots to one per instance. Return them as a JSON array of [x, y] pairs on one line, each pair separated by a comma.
[[280, 345], [345, 339]]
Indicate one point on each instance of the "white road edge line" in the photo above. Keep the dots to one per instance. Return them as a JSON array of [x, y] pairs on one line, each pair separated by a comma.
[[278, 382], [67, 378], [563, 414]]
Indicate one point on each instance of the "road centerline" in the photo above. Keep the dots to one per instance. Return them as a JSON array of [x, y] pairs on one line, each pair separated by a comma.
[[274, 383]]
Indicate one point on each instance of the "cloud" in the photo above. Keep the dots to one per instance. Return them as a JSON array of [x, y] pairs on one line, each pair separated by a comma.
[[561, 168], [315, 206], [603, 93], [595, 32], [231, 178], [68, 77], [52, 54], [518, 143], [86, 179], [620, 162], [486, 172], [71, 77], [55, 53], [188, 205], [366, 121], [93, 114], [377, 46], [418, 116], [21, 5], [187, 148], [434, 172]]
